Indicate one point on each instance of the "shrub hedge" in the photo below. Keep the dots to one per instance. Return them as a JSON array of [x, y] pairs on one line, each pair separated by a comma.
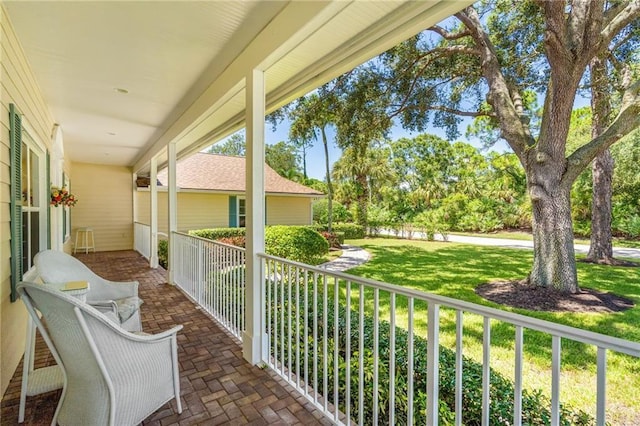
[[351, 231], [218, 233], [163, 253], [297, 243], [535, 406]]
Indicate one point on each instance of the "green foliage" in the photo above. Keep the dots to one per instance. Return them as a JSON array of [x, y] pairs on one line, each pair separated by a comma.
[[218, 233], [455, 270], [535, 405], [282, 158], [297, 243], [239, 241], [163, 253], [321, 208], [233, 145], [351, 231], [332, 239]]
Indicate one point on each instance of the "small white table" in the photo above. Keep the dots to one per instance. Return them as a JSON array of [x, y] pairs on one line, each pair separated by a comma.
[[46, 379]]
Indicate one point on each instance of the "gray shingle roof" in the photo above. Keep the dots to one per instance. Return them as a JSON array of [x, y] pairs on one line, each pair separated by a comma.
[[225, 173]]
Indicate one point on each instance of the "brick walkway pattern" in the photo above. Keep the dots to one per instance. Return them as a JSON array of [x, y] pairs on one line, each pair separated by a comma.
[[217, 385]]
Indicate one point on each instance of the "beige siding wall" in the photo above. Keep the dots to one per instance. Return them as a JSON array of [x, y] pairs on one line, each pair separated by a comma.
[[199, 210], [18, 86], [288, 210], [195, 210], [105, 203]]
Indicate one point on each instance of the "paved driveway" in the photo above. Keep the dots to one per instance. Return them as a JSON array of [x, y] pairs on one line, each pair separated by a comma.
[[523, 244]]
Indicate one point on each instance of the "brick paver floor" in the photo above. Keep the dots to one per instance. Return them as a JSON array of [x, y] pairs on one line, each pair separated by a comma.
[[217, 385]]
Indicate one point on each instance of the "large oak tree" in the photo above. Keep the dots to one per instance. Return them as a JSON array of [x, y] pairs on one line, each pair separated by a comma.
[[492, 61]]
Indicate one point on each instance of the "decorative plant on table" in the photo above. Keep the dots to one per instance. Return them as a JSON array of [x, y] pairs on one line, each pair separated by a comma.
[[62, 197]]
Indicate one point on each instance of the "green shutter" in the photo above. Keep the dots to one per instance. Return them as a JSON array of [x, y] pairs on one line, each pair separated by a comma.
[[48, 186], [233, 211], [15, 138]]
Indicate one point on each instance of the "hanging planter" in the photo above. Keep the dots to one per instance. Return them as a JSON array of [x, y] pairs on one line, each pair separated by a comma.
[[62, 197]]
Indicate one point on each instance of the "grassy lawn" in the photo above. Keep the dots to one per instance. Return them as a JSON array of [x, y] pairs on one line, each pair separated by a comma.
[[525, 236], [454, 270]]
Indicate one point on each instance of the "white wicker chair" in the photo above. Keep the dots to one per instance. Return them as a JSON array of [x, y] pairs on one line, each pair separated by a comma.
[[107, 296], [111, 376]]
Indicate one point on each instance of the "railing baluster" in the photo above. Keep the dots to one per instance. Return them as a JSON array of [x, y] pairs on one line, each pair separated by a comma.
[[269, 309], [336, 348], [410, 362], [601, 395], [361, 356], [376, 342], [347, 356], [276, 302], [315, 338], [459, 333], [325, 350], [433, 338], [289, 324], [555, 380], [297, 319], [392, 358], [283, 361], [306, 332], [517, 383], [486, 370]]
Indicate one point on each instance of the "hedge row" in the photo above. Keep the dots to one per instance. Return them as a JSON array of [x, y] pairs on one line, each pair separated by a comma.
[[351, 231], [297, 243], [535, 406], [218, 233]]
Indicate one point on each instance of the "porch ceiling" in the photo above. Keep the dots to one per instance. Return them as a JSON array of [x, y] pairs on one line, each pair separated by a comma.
[[183, 63]]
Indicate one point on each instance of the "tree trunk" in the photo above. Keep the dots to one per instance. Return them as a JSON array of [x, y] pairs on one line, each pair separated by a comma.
[[329, 184], [554, 261], [304, 163], [362, 200], [601, 248]]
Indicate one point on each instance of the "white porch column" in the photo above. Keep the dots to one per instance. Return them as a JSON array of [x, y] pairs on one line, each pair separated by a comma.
[[172, 207], [153, 219], [254, 340], [56, 165]]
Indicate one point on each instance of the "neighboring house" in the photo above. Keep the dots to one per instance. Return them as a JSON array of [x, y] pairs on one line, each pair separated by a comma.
[[212, 190]]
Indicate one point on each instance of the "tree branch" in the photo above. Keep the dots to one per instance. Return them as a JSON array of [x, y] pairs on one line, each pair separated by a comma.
[[442, 52], [616, 19], [447, 35], [499, 97], [443, 108], [555, 32], [627, 120]]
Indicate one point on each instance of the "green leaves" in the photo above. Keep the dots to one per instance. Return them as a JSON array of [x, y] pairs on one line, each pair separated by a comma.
[[297, 243]]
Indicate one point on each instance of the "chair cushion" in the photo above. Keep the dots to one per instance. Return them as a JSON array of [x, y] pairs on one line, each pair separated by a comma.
[[127, 307]]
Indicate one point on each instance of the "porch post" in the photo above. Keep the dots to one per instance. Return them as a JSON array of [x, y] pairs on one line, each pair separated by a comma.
[[56, 171], [172, 206], [153, 217], [253, 339]]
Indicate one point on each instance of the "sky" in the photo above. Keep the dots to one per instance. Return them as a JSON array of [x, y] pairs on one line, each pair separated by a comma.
[[315, 155]]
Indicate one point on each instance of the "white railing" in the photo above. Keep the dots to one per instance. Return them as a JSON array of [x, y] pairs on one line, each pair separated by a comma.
[[142, 239], [307, 326], [213, 274]]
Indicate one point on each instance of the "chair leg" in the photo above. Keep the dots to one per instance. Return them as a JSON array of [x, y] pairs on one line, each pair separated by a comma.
[[176, 373], [27, 363]]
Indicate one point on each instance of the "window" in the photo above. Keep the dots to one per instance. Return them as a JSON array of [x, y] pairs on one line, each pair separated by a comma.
[[242, 212], [29, 200], [34, 201]]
